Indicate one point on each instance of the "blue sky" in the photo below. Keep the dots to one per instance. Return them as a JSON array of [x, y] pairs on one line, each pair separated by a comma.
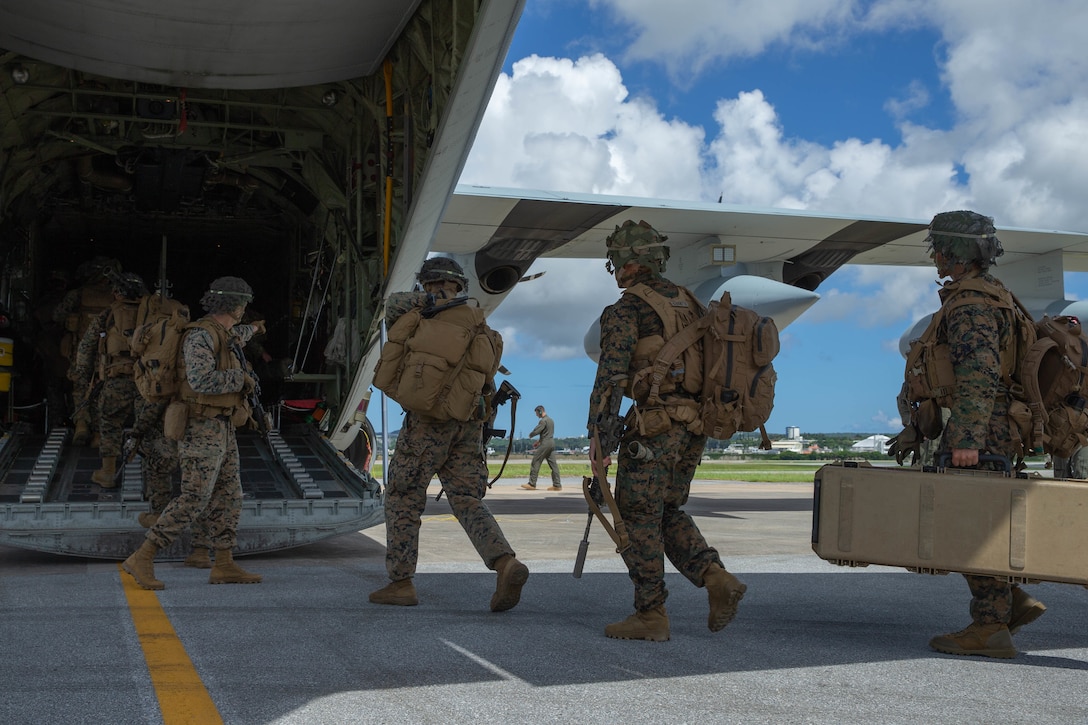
[[889, 108]]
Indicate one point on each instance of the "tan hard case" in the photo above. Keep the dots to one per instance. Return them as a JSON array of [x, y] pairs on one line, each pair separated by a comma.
[[942, 520]]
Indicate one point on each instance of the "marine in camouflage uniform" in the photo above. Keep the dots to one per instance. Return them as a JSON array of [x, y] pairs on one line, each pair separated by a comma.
[[453, 450], [964, 245], [650, 493], [105, 348], [213, 386], [74, 313]]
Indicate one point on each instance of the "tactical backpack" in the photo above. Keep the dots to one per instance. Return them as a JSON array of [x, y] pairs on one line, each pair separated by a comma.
[[439, 361], [728, 350], [1044, 370], [160, 324], [1053, 374]]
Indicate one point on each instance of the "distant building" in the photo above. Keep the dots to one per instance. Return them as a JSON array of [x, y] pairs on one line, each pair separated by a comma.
[[872, 443], [793, 433], [788, 445]]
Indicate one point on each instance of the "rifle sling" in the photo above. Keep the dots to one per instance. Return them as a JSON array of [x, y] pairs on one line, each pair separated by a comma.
[[509, 443], [618, 531]]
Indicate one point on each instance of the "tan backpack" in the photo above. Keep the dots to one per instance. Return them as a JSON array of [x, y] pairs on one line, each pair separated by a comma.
[[160, 324], [439, 361], [733, 348]]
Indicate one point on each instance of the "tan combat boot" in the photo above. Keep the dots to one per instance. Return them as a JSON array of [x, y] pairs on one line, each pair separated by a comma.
[[147, 519], [652, 625], [226, 571], [512, 577], [1025, 609], [987, 640], [104, 475], [141, 565], [200, 559], [402, 594], [724, 591], [82, 434]]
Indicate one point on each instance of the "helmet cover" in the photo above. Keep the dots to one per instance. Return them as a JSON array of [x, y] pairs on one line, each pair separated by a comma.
[[966, 237], [641, 243]]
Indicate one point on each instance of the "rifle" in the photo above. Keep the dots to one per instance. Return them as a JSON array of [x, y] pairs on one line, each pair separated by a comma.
[[502, 396], [164, 286], [606, 434], [260, 417], [92, 393]]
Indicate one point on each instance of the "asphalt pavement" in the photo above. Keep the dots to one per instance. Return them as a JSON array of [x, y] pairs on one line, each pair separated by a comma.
[[812, 643]]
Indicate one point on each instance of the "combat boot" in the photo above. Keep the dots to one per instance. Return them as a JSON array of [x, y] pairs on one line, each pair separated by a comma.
[[987, 640], [226, 571], [141, 565], [1025, 609], [512, 577], [724, 592], [147, 519], [104, 475], [199, 559], [402, 593], [82, 434], [651, 624]]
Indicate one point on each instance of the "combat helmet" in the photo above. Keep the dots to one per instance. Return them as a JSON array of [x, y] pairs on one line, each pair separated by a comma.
[[966, 237], [97, 268], [128, 285], [442, 269], [225, 294], [632, 242]]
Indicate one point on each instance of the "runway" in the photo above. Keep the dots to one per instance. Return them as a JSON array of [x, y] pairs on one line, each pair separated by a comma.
[[812, 643]]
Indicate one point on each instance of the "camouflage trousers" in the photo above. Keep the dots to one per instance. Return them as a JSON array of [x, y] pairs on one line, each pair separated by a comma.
[[211, 488], [159, 453], [991, 599], [545, 452], [115, 405], [649, 495], [89, 412], [452, 450]]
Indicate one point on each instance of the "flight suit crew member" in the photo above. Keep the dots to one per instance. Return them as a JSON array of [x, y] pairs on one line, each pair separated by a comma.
[[453, 450], [963, 245], [650, 492], [214, 384], [106, 347], [545, 451], [75, 313]]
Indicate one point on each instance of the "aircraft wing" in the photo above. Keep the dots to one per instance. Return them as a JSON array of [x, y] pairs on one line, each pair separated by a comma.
[[777, 258]]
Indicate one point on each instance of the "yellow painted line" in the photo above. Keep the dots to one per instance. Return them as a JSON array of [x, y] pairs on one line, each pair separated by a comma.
[[182, 696]]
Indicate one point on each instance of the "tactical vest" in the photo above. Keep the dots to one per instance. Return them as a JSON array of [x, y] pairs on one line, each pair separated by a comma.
[[928, 371], [929, 375], [686, 372], [441, 365], [114, 349], [213, 405]]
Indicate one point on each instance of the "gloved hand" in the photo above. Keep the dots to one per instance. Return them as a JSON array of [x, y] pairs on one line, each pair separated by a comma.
[[249, 384], [908, 440]]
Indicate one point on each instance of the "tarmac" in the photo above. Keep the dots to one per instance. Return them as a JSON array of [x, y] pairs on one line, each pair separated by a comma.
[[812, 642]]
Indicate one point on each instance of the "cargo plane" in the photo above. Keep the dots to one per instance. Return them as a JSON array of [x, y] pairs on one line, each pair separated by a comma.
[[314, 149]]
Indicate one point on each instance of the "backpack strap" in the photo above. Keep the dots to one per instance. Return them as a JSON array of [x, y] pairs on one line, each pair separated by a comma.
[[1030, 374], [677, 340]]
